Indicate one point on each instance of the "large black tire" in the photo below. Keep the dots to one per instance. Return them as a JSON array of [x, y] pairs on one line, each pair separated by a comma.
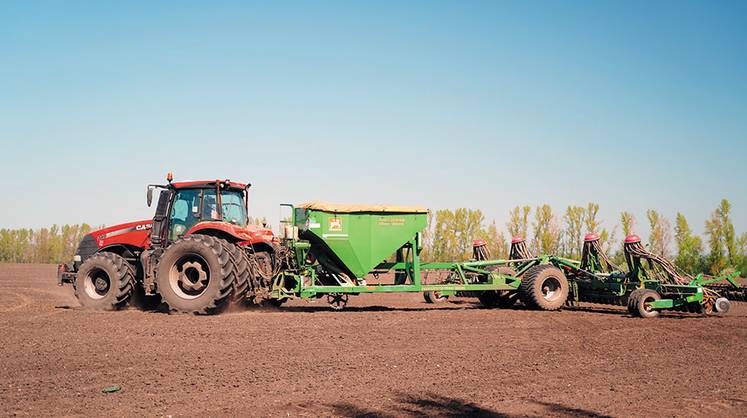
[[544, 287], [105, 282], [639, 303], [633, 301], [241, 271], [499, 298], [435, 297], [196, 275]]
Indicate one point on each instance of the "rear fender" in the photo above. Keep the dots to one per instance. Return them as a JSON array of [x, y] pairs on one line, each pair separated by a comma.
[[250, 235]]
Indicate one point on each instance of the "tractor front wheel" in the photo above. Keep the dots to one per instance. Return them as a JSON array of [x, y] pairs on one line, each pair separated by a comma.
[[196, 275], [105, 281]]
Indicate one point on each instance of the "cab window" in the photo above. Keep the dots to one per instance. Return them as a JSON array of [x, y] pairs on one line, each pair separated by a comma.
[[184, 212]]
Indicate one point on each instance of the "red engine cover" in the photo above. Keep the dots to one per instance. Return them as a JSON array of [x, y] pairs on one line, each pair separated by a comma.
[[136, 234]]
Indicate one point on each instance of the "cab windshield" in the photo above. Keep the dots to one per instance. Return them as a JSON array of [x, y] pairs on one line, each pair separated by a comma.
[[195, 205]]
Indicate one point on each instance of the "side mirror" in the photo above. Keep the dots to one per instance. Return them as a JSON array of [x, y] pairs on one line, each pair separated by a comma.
[[150, 196]]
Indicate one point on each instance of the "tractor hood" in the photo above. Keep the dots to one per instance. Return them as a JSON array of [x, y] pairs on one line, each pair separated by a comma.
[[136, 234]]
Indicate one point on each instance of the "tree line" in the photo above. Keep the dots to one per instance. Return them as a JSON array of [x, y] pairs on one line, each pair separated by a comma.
[[450, 233], [44, 245]]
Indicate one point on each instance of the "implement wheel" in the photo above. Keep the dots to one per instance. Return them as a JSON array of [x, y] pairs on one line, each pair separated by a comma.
[[196, 275], [544, 287], [105, 282], [435, 297], [499, 298], [639, 303]]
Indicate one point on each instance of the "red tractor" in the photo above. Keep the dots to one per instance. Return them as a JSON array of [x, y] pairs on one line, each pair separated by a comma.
[[199, 253]]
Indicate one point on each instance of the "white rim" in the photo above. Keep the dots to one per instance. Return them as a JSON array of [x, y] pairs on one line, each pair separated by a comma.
[[97, 284], [189, 277]]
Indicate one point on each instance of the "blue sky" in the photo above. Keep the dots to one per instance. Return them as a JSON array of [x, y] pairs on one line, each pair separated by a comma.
[[488, 105]]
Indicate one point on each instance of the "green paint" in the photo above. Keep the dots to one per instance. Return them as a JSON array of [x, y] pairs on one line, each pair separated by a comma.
[[358, 241]]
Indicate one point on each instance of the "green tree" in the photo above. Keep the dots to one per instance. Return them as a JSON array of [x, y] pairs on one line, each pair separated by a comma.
[[468, 225], [590, 218], [44, 245], [454, 232], [716, 260], [518, 222], [660, 236], [628, 223], [426, 237], [496, 240], [572, 235], [594, 225], [727, 232], [444, 238], [742, 250], [689, 246], [546, 231], [722, 240]]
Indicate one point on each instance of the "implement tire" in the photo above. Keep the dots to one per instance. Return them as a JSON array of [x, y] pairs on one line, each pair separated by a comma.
[[196, 275], [104, 282], [544, 287], [633, 302], [499, 298], [639, 303], [435, 296]]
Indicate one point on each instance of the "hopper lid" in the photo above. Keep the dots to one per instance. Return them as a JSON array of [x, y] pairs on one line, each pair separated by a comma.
[[352, 208]]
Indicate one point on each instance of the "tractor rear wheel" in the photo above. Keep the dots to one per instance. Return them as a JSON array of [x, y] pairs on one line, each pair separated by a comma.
[[435, 297], [499, 298], [544, 287], [639, 303], [242, 273], [105, 281], [196, 275]]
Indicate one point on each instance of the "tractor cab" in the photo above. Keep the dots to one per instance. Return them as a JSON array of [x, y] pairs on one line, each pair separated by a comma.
[[183, 205]]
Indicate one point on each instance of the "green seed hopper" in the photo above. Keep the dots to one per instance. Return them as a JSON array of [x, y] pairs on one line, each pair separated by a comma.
[[335, 247], [357, 238]]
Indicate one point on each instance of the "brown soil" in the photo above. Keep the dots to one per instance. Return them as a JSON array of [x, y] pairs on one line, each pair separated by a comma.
[[387, 355]]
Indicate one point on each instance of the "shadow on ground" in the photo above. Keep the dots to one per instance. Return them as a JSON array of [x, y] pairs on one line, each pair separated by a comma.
[[433, 405]]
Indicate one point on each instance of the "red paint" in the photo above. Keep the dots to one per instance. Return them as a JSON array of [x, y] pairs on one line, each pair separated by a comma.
[[479, 243], [138, 237], [517, 239], [137, 234], [630, 239], [591, 237], [249, 235], [206, 184]]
